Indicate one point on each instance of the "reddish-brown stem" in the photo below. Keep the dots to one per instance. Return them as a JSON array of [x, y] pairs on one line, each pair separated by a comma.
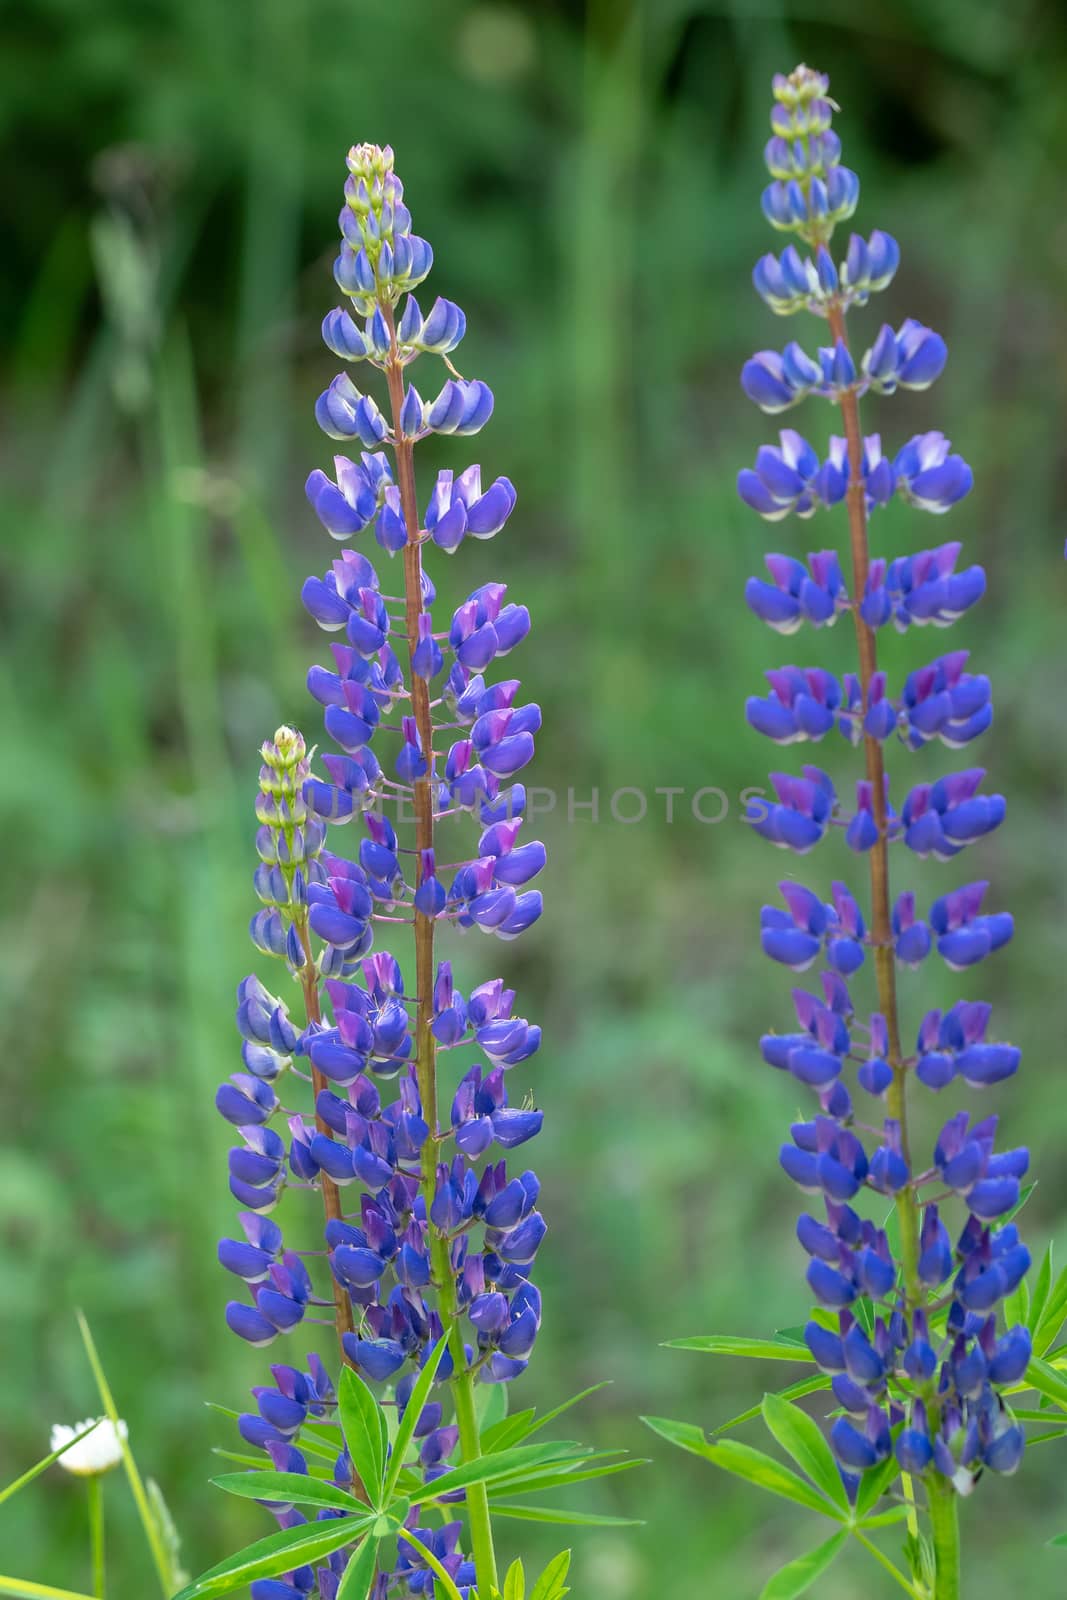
[[425, 1043], [881, 925]]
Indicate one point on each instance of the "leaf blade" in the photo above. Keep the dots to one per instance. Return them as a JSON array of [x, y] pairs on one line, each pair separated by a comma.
[[742, 1461], [363, 1425], [289, 1488], [722, 1344], [797, 1576], [802, 1439], [274, 1554]]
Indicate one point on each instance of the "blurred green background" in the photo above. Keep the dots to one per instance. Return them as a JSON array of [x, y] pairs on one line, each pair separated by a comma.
[[589, 179]]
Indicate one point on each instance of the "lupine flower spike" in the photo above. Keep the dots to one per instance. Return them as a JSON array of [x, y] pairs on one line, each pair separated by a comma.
[[430, 1230], [917, 1327]]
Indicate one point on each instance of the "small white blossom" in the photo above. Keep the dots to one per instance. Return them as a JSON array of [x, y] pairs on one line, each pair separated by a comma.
[[98, 1452]]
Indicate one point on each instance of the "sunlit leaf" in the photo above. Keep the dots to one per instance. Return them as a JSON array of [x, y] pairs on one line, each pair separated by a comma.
[[515, 1582]]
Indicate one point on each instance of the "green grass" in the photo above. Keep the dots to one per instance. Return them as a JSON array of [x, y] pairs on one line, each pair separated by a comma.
[[592, 197]]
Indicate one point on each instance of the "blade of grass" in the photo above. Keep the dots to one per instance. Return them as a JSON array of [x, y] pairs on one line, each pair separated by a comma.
[[160, 1558]]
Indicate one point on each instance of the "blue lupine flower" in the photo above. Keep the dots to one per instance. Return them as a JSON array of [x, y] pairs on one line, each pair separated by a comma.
[[406, 1270], [917, 1368]]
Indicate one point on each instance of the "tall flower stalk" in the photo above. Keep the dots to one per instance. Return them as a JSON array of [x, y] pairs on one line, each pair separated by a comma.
[[429, 1242], [905, 1332]]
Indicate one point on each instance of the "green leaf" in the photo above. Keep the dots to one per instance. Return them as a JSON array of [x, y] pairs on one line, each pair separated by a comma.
[[507, 1432], [360, 1572], [1047, 1381], [575, 1399], [24, 1589], [722, 1344], [278, 1552], [1048, 1323], [41, 1466], [505, 1464], [1039, 1292], [290, 1488], [572, 1519], [801, 1437], [885, 1519], [873, 1485], [797, 1576], [565, 1475], [363, 1424], [795, 1391], [552, 1584], [412, 1412], [515, 1581], [744, 1462]]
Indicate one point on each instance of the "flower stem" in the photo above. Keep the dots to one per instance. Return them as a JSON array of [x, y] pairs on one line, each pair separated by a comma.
[[944, 1522], [881, 926], [481, 1528], [95, 1489]]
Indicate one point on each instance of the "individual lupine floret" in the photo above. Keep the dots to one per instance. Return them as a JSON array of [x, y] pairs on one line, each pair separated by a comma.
[[458, 507], [920, 589], [954, 1044], [800, 816], [967, 1164], [941, 818], [798, 595], [809, 927], [964, 935]]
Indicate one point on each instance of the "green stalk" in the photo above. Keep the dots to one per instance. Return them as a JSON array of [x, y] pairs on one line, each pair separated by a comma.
[[945, 1526], [97, 1549], [481, 1528]]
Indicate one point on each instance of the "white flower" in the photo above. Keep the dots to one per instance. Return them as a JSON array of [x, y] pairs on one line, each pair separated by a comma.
[[98, 1452]]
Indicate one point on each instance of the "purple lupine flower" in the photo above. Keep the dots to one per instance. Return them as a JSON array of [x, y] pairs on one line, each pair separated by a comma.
[[908, 1332], [428, 1240]]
